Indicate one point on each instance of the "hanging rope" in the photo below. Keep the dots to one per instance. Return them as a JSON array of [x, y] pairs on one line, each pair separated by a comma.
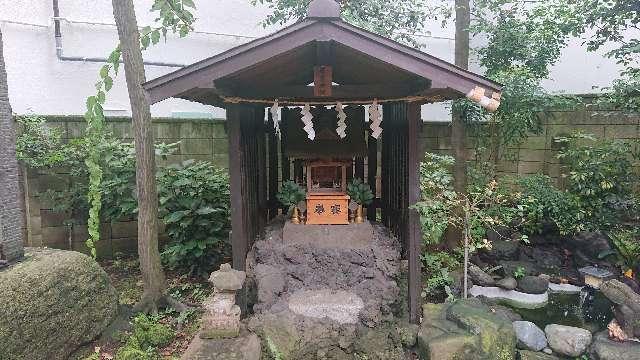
[[236, 100]]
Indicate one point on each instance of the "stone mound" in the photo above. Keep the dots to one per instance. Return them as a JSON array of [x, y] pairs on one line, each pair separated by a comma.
[[318, 301], [277, 270], [53, 302]]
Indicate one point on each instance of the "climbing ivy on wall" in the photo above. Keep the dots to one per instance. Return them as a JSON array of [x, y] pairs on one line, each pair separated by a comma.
[[174, 16]]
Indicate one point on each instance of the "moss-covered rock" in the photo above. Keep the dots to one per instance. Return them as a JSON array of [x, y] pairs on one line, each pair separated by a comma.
[[52, 302], [497, 337]]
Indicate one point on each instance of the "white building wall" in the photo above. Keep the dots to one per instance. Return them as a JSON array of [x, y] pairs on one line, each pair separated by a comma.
[[41, 83]]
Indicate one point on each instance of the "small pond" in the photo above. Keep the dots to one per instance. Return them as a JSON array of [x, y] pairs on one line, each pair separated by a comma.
[[588, 309]]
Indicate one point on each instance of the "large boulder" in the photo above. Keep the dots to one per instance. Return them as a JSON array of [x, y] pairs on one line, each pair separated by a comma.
[[604, 348], [508, 283], [53, 302], [533, 285], [530, 336], [567, 340], [497, 338], [587, 246], [627, 305], [441, 339], [480, 277], [504, 250]]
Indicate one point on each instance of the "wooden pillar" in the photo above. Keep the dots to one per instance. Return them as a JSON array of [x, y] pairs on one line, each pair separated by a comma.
[[261, 137], [237, 174], [414, 238]]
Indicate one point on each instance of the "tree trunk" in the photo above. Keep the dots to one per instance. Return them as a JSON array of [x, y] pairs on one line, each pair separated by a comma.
[[11, 209], [458, 138], [457, 126], [153, 276]]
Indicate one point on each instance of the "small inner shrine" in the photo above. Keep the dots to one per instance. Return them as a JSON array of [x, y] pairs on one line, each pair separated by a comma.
[[324, 165], [327, 200]]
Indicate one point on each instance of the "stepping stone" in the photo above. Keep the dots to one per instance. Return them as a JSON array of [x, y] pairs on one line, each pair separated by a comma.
[[338, 305], [511, 297]]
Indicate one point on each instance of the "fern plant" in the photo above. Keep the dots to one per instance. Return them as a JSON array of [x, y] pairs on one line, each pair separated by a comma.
[[359, 192]]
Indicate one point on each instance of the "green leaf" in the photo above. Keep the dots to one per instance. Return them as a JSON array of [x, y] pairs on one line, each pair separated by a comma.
[[189, 3], [91, 102], [104, 71], [176, 216], [155, 36], [205, 210], [101, 97], [144, 41], [145, 30], [108, 83]]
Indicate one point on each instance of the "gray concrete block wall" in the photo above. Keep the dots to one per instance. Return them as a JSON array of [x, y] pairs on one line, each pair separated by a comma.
[[207, 140], [538, 153]]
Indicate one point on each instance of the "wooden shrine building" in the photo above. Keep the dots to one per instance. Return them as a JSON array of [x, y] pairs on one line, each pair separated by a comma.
[[321, 61]]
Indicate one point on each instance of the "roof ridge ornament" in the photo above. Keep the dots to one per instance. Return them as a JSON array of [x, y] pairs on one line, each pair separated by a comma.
[[325, 9]]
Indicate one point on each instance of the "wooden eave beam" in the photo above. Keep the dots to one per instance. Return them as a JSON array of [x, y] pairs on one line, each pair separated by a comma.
[[261, 50]]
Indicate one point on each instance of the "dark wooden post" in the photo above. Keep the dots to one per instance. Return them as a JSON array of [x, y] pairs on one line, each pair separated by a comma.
[[239, 234], [414, 238]]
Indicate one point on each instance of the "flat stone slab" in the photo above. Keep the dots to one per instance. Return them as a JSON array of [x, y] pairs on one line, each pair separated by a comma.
[[511, 297], [351, 236], [338, 305], [564, 288]]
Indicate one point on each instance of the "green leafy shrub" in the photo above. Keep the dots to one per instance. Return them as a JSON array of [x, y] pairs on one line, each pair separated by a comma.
[[359, 192], [437, 267], [195, 207], [437, 196], [40, 146], [600, 175], [145, 339], [290, 194], [540, 202]]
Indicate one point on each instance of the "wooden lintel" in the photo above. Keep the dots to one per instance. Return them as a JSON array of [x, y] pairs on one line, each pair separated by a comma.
[[380, 91]]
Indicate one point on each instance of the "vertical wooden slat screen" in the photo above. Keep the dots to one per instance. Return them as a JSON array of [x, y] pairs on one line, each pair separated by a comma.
[[394, 170], [247, 173], [400, 188]]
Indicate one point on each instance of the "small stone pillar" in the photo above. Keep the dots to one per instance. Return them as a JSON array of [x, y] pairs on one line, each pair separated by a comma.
[[222, 316]]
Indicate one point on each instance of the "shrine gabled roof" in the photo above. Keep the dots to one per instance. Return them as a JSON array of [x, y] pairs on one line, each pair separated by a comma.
[[366, 66]]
